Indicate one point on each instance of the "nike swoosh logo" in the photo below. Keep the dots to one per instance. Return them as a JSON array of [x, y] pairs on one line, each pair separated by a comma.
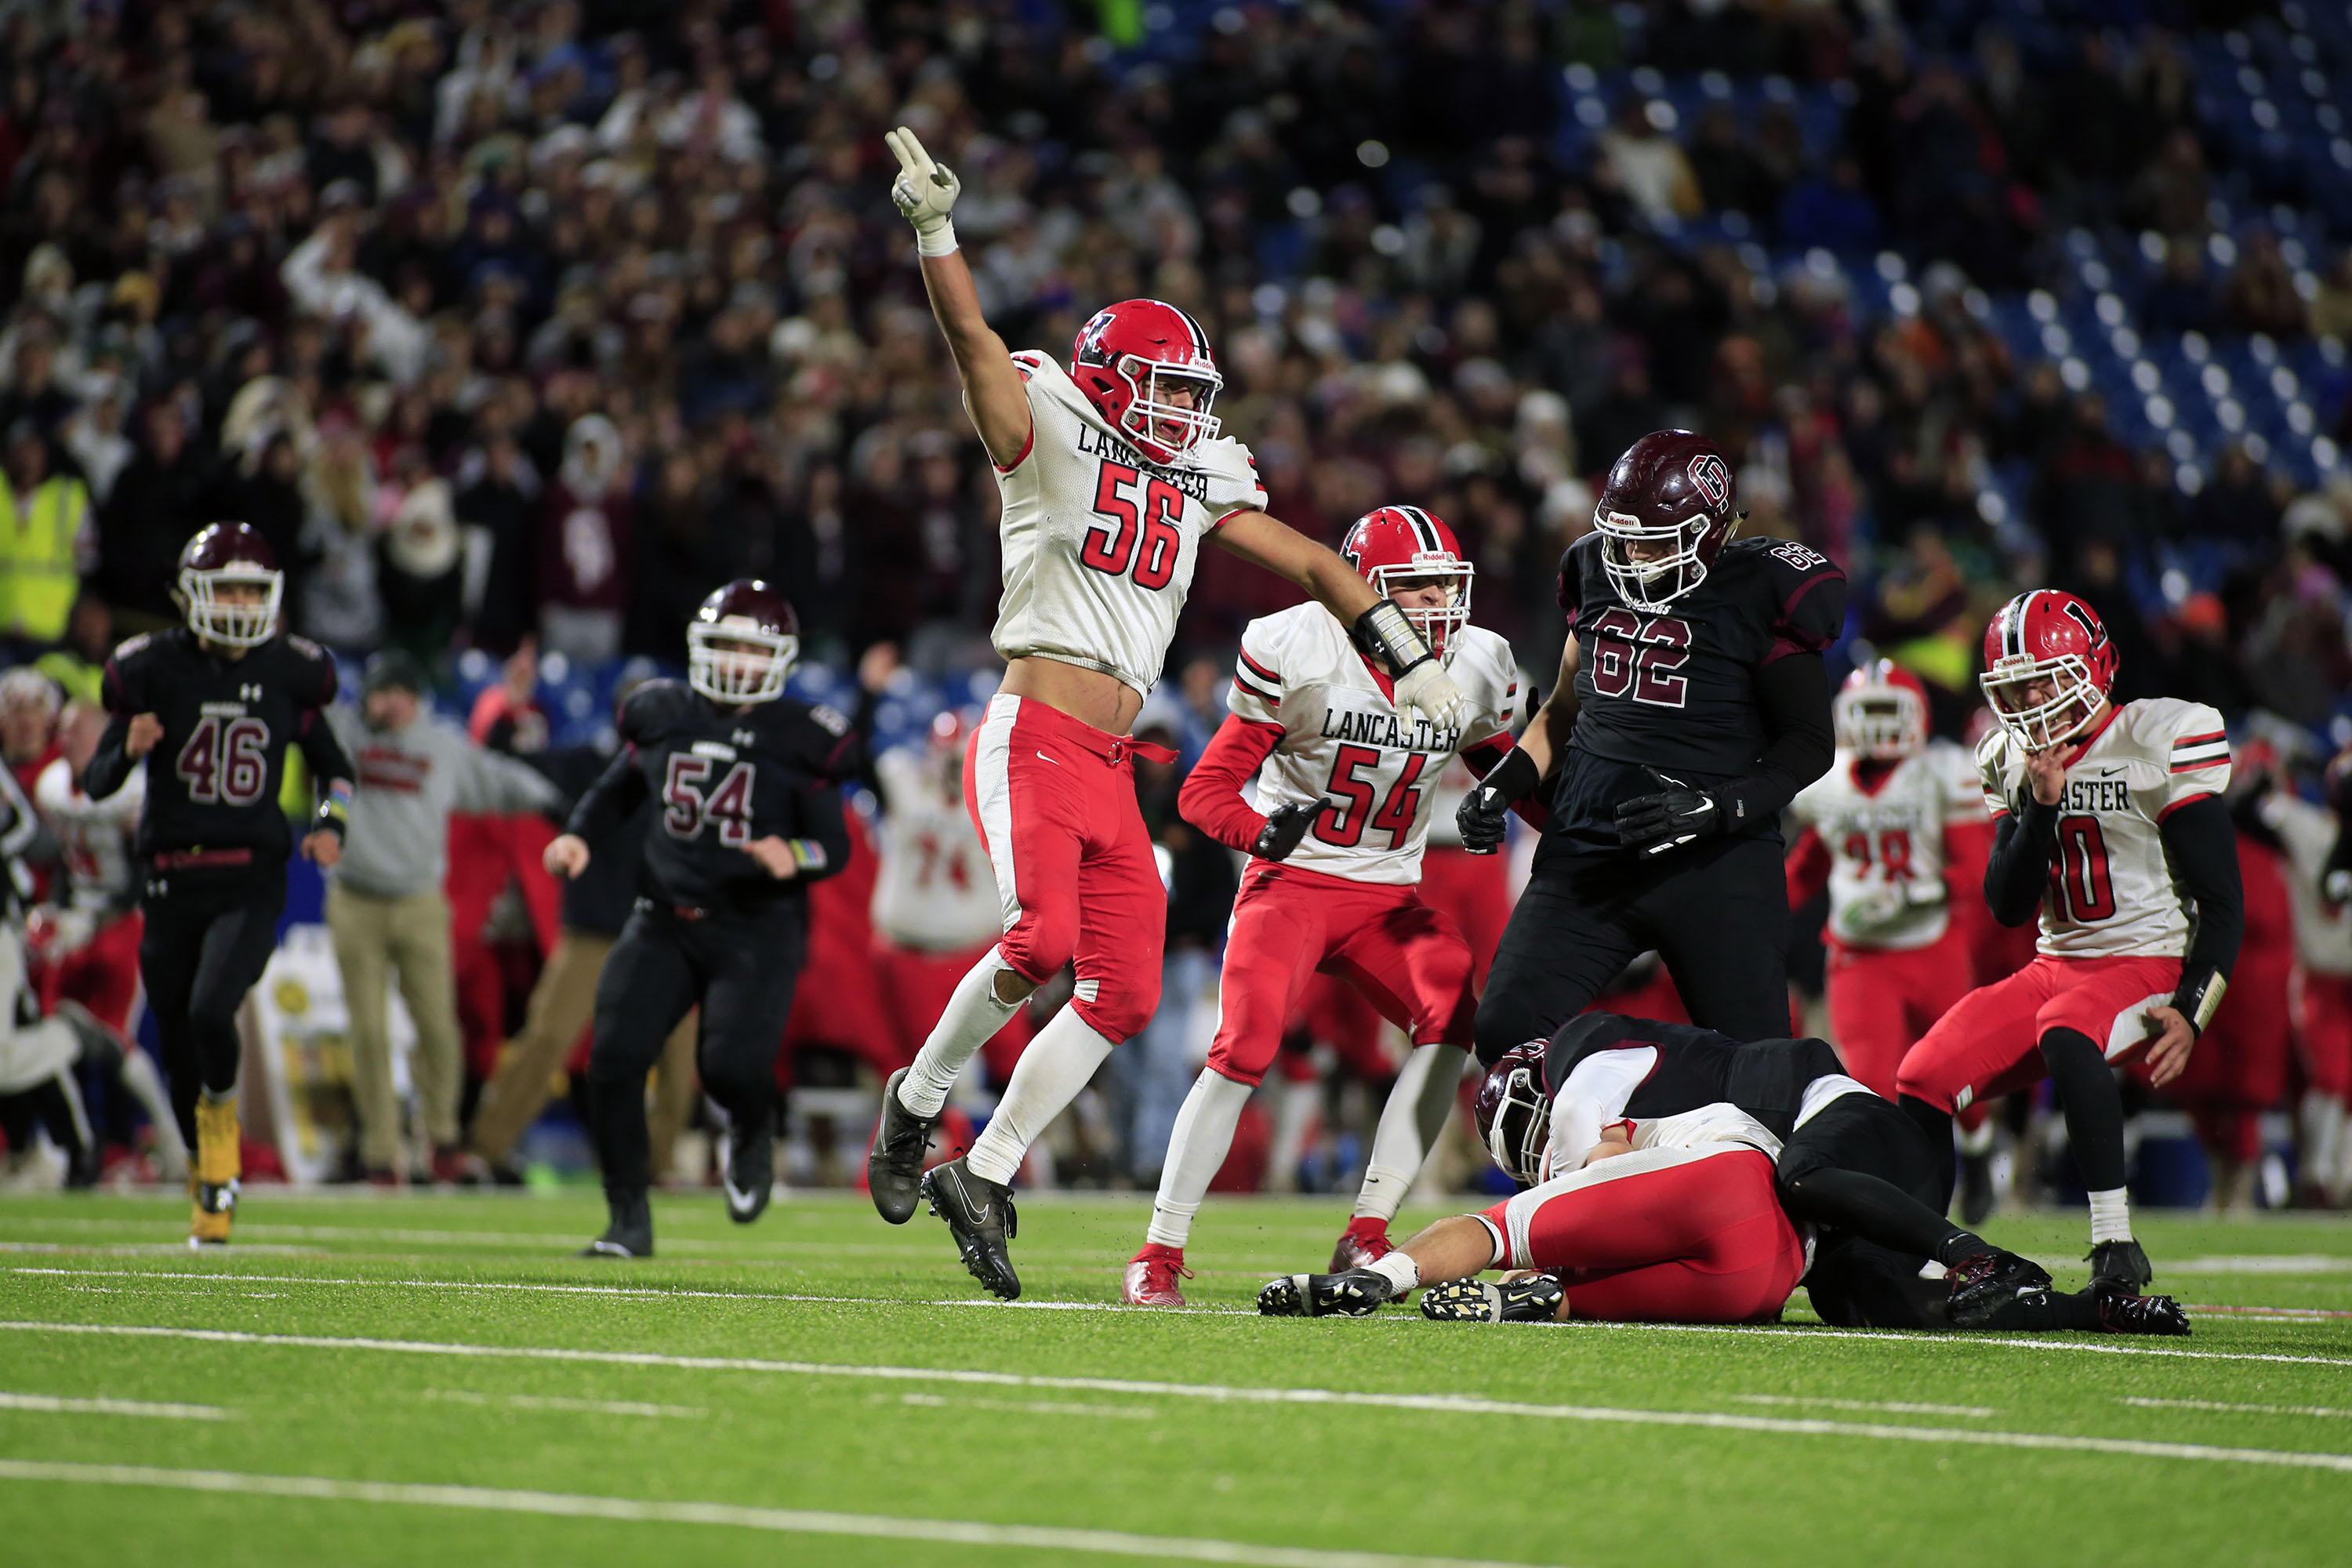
[[979, 1214], [1044, 758]]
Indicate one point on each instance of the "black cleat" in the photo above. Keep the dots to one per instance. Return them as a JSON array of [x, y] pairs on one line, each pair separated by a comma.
[[979, 1214], [2121, 1312], [631, 1234], [1976, 1189], [1536, 1300], [2119, 1266], [894, 1166], [1985, 1282], [751, 1171], [1358, 1293]]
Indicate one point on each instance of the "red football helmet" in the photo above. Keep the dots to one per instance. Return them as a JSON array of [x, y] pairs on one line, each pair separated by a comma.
[[1514, 1111], [1130, 354], [1404, 547], [741, 644], [2046, 636], [951, 729], [1671, 498], [1881, 712], [223, 555]]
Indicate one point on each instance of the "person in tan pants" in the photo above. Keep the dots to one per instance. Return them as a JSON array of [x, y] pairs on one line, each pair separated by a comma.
[[374, 936]]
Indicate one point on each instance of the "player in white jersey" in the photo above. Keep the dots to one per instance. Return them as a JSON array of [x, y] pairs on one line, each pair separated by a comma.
[[1111, 475], [86, 941], [2109, 821], [1343, 786], [2322, 992], [1894, 829]]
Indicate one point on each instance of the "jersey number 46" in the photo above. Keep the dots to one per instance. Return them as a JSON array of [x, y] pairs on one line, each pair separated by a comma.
[[226, 764]]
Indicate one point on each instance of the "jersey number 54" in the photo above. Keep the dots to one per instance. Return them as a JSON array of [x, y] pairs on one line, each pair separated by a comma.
[[685, 807]]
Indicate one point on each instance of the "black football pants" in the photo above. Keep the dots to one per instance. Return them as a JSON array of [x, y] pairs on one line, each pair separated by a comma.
[[741, 970], [209, 935], [1717, 912]]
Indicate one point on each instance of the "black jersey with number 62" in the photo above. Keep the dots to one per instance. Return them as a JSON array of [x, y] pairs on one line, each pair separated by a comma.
[[213, 779], [1672, 689], [720, 778]]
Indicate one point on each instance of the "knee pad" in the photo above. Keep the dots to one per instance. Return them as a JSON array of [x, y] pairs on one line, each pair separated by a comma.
[[1117, 1007]]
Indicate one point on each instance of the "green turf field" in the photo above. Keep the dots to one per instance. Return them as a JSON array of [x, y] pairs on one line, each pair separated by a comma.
[[404, 1380]]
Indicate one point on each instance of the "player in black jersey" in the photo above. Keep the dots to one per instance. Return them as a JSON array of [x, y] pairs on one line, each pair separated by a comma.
[[209, 712], [1691, 705], [746, 780]]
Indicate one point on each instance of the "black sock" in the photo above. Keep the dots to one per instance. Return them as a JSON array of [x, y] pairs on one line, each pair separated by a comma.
[[1961, 1243], [2094, 1108], [1867, 1207], [1935, 1125]]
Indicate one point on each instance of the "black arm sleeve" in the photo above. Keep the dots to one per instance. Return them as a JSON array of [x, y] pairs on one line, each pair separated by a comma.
[[324, 753], [817, 808], [1792, 693], [614, 794], [109, 768], [2017, 872], [2204, 853]]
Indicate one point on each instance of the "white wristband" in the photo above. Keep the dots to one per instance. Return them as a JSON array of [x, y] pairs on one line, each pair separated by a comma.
[[940, 241]]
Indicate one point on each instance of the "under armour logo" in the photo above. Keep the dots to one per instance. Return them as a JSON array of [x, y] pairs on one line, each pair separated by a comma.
[[741, 737], [248, 693]]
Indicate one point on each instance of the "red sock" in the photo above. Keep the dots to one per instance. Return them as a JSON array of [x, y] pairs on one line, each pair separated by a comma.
[[1371, 1228], [1152, 1251]]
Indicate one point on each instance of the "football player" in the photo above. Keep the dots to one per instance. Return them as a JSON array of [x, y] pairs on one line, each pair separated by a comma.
[[1342, 784], [745, 779], [1692, 706], [207, 712], [2323, 992], [1891, 829], [1112, 472], [2109, 821]]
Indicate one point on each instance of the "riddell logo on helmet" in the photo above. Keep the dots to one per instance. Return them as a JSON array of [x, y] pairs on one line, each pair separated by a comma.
[[1713, 478]]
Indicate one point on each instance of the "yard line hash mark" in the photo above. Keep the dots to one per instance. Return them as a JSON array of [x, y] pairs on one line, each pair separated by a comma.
[[1894, 1407], [1030, 1406], [56, 1405], [2147, 1404], [795, 1522], [559, 1401], [1434, 1404]]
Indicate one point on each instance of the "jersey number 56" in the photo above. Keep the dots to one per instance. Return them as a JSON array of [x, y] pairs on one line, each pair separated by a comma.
[[1112, 547]]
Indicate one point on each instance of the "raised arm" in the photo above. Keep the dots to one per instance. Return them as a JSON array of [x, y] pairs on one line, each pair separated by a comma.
[[994, 395]]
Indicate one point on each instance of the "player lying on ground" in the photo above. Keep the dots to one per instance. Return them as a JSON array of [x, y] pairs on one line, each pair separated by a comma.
[[745, 779], [2109, 821], [1344, 781], [1897, 823], [1112, 475], [216, 704], [1691, 705]]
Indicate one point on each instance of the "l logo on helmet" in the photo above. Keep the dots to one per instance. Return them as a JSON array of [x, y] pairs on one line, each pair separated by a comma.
[[1090, 349], [1713, 478], [2082, 616]]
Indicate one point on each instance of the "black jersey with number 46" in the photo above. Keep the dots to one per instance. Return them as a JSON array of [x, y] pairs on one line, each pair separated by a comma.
[[213, 780], [720, 778]]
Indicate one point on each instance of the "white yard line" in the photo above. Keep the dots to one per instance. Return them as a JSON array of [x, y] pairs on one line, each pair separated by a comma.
[[556, 1402], [2145, 1403], [53, 1404], [1893, 1407], [1437, 1404], [793, 1521]]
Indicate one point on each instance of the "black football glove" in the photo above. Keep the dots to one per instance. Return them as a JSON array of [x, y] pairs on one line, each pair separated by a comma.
[[1676, 815], [1480, 818], [1285, 828]]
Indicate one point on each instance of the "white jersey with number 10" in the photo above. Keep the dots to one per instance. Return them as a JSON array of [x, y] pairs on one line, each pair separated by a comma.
[[1099, 541]]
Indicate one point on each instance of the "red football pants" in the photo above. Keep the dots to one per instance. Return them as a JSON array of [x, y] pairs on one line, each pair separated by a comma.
[[1474, 891], [1882, 1001], [2326, 1032], [1055, 803], [1990, 1044], [102, 973], [916, 987], [1406, 958], [1664, 1236]]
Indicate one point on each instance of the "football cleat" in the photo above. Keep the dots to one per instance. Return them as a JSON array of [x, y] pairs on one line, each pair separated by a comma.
[[979, 1215], [1977, 1195], [1361, 1249], [750, 1174], [1984, 1282], [894, 1167], [1533, 1300], [631, 1232], [2121, 1312], [214, 1183], [1356, 1293], [2119, 1266], [1151, 1277]]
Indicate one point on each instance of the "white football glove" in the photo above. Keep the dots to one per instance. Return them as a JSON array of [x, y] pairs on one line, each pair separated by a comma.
[[1428, 690], [925, 191]]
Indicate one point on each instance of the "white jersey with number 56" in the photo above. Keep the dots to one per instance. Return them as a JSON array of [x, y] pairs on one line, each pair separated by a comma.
[[2112, 889], [1343, 744], [1099, 541]]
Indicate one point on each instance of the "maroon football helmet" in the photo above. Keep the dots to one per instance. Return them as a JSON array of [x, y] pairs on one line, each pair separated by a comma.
[[222, 555], [1130, 354], [2046, 635], [1397, 544], [1672, 498], [742, 643], [1514, 1111]]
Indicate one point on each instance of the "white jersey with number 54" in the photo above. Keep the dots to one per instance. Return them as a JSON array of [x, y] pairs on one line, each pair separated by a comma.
[[1099, 541], [2112, 889], [1343, 744]]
